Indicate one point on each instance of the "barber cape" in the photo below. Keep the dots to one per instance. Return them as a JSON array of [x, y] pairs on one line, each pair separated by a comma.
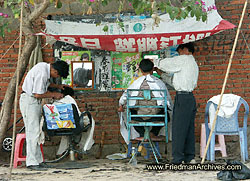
[[87, 140], [154, 83]]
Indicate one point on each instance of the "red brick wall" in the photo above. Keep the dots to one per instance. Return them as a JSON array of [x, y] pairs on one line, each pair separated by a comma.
[[212, 55]]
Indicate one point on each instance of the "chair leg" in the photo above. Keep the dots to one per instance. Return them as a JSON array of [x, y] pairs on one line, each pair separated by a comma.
[[242, 146], [209, 147], [222, 145], [157, 149], [129, 149], [153, 150], [129, 132], [202, 140], [245, 142], [212, 145]]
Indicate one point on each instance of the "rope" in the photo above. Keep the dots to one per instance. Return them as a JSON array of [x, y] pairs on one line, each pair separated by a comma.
[[9, 48], [16, 94], [245, 41], [225, 81]]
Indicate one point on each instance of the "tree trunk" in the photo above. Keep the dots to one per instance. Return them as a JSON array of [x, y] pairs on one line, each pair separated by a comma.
[[30, 43]]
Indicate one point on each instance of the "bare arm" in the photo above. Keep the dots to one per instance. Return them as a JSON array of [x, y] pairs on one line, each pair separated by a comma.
[[61, 86], [120, 109], [159, 72], [54, 95]]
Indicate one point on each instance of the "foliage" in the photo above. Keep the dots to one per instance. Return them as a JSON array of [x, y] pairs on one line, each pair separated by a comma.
[[177, 9], [180, 10], [4, 24]]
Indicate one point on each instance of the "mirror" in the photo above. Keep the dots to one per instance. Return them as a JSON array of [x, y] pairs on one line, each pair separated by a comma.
[[82, 75]]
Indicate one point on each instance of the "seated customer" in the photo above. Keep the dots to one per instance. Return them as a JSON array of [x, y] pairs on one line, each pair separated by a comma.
[[86, 138], [147, 81]]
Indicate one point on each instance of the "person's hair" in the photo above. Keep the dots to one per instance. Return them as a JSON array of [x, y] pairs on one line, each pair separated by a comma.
[[85, 56], [80, 77], [189, 46], [89, 74], [67, 91], [62, 68], [146, 65]]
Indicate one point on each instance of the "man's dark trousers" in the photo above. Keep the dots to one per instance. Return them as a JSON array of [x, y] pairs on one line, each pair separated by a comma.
[[183, 139]]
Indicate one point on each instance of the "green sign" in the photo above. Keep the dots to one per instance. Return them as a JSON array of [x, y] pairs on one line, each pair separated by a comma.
[[137, 27]]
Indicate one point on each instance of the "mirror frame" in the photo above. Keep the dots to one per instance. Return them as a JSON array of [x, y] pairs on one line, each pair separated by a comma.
[[72, 77]]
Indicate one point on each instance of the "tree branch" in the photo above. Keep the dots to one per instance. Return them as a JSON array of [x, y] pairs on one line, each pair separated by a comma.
[[39, 9]]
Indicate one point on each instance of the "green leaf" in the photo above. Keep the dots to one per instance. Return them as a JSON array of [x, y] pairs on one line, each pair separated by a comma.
[[185, 3], [198, 18], [197, 13], [16, 15], [59, 5], [168, 9], [171, 15], [31, 2], [192, 13], [135, 4], [178, 17], [5, 4], [188, 8], [1, 32], [162, 7], [204, 17], [183, 14], [105, 28], [175, 12], [137, 11], [105, 3]]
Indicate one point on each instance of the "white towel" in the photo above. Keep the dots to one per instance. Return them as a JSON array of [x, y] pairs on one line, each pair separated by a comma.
[[228, 106]]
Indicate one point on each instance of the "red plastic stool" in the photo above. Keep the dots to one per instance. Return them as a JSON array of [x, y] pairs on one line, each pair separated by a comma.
[[18, 155]]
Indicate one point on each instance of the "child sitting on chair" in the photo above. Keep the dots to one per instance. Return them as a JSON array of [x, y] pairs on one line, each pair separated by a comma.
[[147, 81]]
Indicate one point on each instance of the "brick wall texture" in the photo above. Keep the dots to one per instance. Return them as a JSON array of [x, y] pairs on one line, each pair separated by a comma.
[[212, 55]]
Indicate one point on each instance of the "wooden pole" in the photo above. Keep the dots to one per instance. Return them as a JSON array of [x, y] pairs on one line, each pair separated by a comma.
[[225, 81], [16, 94]]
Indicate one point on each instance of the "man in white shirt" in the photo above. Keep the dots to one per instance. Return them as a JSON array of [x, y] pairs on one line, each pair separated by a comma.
[[35, 87], [185, 76], [147, 81]]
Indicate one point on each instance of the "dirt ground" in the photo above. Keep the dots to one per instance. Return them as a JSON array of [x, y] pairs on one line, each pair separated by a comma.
[[91, 168], [104, 169]]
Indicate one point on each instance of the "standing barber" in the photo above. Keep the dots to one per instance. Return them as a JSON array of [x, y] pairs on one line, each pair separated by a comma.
[[185, 76], [35, 87]]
